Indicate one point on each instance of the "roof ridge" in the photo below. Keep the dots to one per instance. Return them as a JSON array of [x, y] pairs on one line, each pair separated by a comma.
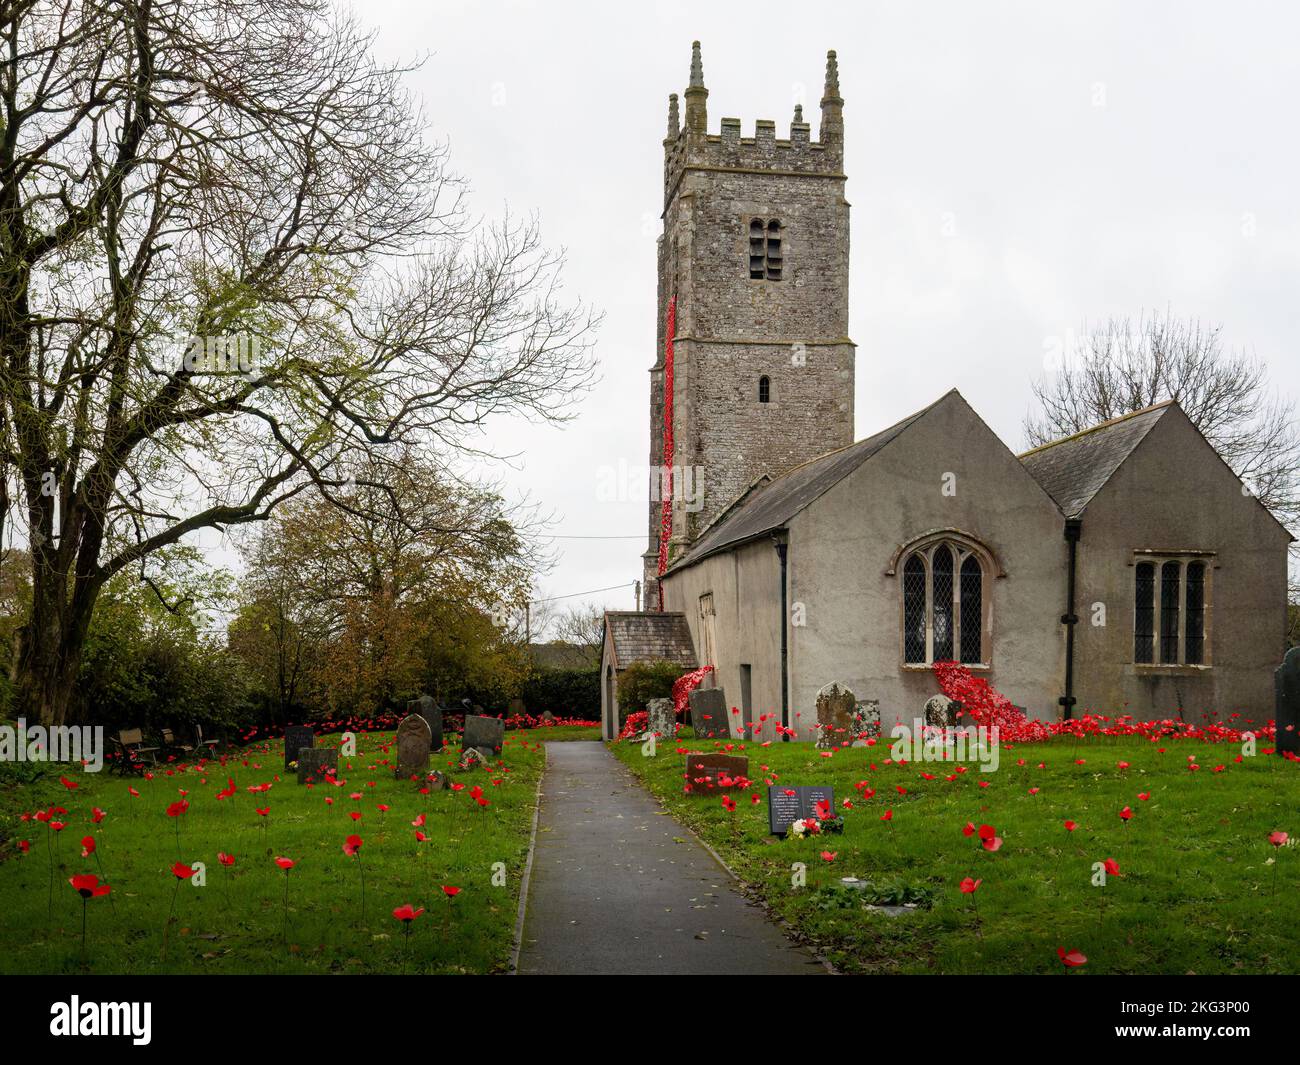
[[1094, 428]]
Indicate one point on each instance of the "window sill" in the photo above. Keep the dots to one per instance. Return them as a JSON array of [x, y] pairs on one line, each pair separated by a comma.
[[1148, 669], [974, 667]]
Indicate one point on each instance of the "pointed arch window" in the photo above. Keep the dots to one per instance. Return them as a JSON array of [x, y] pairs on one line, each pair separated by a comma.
[[764, 389], [945, 610]]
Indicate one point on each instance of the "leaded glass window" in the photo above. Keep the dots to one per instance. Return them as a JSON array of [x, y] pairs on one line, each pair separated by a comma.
[[943, 604], [1144, 623], [1170, 611]]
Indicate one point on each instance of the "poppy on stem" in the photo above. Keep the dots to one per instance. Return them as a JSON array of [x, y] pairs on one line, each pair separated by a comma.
[[1277, 839], [352, 848], [286, 864], [87, 885], [181, 872], [407, 915]]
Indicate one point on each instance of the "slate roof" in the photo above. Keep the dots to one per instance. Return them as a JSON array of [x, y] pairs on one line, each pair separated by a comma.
[[1073, 470], [771, 505], [649, 636]]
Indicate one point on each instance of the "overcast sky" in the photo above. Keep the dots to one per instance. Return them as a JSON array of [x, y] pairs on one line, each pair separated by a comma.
[[1014, 169]]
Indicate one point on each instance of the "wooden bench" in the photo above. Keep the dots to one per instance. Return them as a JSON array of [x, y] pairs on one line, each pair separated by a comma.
[[131, 751]]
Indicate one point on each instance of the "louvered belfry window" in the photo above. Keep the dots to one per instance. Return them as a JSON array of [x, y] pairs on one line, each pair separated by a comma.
[[1171, 604], [943, 605], [766, 257]]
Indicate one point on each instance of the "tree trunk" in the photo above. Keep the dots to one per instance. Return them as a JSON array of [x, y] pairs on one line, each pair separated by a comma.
[[49, 652]]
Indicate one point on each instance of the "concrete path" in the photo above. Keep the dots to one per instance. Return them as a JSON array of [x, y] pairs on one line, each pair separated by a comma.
[[618, 886]]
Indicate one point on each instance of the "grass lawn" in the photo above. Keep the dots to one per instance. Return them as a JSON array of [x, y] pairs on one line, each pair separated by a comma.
[[1195, 894], [236, 923]]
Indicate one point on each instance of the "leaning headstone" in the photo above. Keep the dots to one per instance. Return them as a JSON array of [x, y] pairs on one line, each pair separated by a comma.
[[786, 805], [316, 763], [1286, 681], [835, 705], [708, 773], [427, 707], [864, 723], [661, 718], [487, 734], [414, 742], [435, 780], [471, 758], [941, 711], [296, 737], [709, 714]]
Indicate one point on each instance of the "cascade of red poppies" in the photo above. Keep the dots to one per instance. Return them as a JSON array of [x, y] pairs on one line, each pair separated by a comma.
[[666, 482]]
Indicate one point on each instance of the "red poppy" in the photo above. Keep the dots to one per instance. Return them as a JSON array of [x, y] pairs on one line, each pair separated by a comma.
[[1125, 813], [69, 784], [830, 856], [177, 808], [1111, 866], [1144, 795], [87, 846], [988, 832], [1070, 826], [225, 859], [181, 871], [88, 886], [58, 826], [1277, 838], [134, 794], [262, 812], [993, 844], [406, 913], [420, 837], [355, 815], [96, 814], [351, 845], [418, 822], [888, 815], [969, 886], [968, 829], [450, 891], [284, 863], [728, 803], [1072, 959], [25, 845]]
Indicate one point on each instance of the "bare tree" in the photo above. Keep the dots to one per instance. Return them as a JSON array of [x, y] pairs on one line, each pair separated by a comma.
[[584, 627], [1127, 366], [230, 265]]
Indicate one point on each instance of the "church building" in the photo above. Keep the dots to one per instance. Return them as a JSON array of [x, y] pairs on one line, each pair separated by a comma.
[[1122, 570]]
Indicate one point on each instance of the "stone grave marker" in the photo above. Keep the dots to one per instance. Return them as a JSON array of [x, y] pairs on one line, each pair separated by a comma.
[[297, 737], [314, 763], [414, 742], [1286, 681], [487, 734], [865, 723], [941, 711], [705, 771], [427, 707], [661, 718], [835, 704], [709, 714], [786, 805]]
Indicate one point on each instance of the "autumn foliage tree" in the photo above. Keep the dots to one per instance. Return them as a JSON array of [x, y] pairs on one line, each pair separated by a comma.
[[231, 265]]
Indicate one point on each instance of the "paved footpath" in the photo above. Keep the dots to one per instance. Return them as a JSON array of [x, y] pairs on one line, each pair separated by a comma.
[[618, 886]]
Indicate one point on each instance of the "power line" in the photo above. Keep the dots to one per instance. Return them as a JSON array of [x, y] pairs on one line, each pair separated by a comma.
[[572, 595], [562, 536]]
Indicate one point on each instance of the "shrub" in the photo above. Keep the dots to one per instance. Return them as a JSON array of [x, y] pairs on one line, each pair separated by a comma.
[[572, 693], [643, 681]]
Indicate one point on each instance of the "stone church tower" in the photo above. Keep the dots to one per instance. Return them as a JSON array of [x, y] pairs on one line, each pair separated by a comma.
[[755, 253]]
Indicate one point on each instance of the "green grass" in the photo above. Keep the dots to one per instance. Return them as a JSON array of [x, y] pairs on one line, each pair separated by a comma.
[[1195, 894], [560, 733], [236, 923]]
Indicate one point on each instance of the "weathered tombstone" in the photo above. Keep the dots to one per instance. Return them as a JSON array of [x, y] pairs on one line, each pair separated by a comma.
[[864, 724], [427, 707], [296, 737], [316, 763], [941, 711], [435, 780], [661, 718], [786, 805], [414, 742], [709, 714], [517, 708], [487, 734], [1286, 681], [547, 716], [471, 758], [834, 716], [707, 773]]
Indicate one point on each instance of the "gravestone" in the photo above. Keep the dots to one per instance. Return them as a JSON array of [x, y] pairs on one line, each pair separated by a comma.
[[709, 714], [1286, 682], [427, 707], [941, 711], [661, 718], [865, 722], [517, 708], [835, 705], [296, 737], [471, 758], [414, 741], [435, 781], [487, 734], [315, 763], [786, 805], [704, 772]]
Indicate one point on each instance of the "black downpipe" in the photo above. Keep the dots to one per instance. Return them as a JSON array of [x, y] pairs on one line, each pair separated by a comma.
[[782, 546], [1073, 531]]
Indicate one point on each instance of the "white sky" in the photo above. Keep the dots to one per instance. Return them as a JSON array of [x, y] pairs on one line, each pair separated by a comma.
[[1091, 160]]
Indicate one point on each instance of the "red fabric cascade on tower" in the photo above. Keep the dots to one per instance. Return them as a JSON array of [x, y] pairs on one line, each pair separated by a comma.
[[666, 463]]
